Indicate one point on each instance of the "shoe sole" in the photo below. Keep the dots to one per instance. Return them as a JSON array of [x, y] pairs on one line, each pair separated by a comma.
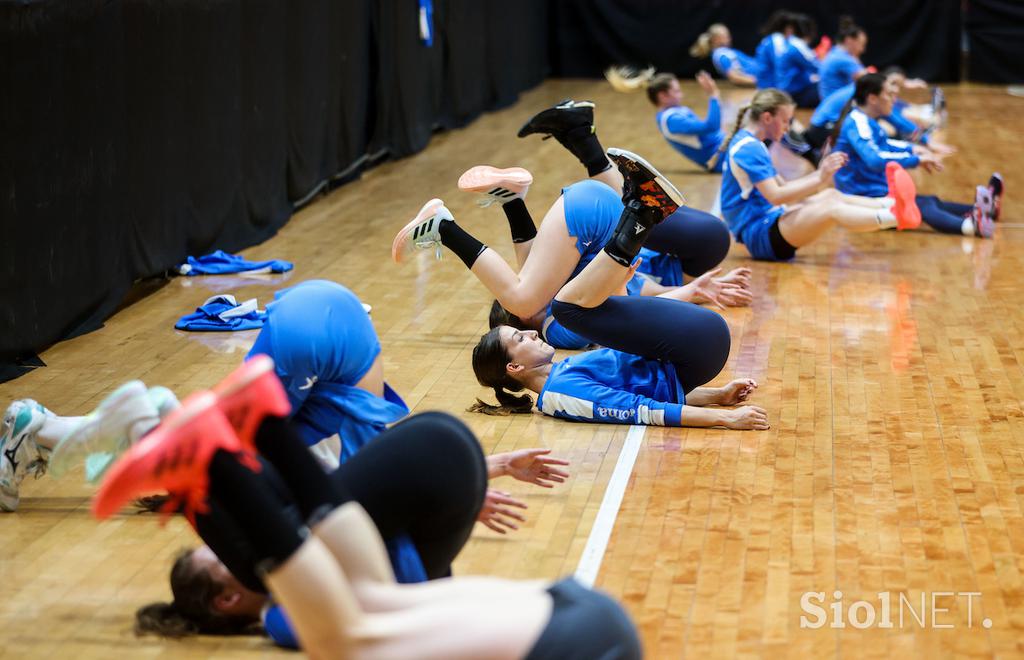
[[673, 193], [430, 208], [903, 190], [484, 178]]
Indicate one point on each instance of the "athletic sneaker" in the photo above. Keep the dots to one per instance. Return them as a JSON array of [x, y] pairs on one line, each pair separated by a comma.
[[422, 232], [19, 453], [645, 184], [984, 200], [560, 119], [984, 226], [126, 415], [903, 191], [496, 185], [938, 106], [795, 142], [249, 394], [995, 184], [173, 458]]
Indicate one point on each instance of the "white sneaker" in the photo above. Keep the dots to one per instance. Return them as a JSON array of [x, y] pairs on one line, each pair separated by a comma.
[[495, 184], [104, 434], [985, 200], [19, 453], [984, 226], [422, 232]]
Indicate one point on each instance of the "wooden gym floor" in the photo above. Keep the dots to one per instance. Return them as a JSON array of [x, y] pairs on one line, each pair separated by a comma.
[[890, 365]]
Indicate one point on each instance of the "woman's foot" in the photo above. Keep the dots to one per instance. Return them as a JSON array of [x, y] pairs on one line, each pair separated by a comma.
[[19, 451], [422, 232], [496, 185], [995, 185], [903, 191], [645, 184], [557, 121], [173, 458]]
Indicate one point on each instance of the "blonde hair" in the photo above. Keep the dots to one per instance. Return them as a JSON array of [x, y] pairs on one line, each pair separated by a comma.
[[628, 79], [765, 100], [702, 47]]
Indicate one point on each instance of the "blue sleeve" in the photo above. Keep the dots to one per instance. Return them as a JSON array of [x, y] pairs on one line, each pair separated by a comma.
[[753, 159], [874, 155], [686, 122], [722, 62], [904, 127], [560, 337], [278, 628], [611, 406]]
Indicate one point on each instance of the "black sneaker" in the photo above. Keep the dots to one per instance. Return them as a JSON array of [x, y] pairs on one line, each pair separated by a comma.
[[995, 184], [645, 184], [795, 142], [559, 120]]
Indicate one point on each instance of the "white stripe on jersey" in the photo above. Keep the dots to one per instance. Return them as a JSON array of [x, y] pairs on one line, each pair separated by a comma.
[[645, 415], [544, 327], [742, 178], [570, 405], [682, 138], [863, 125]]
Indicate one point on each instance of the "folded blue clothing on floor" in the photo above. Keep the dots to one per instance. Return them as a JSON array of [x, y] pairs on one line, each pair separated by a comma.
[[220, 262], [223, 314]]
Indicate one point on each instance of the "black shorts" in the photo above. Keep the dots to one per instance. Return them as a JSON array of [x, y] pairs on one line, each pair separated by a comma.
[[585, 625], [780, 246]]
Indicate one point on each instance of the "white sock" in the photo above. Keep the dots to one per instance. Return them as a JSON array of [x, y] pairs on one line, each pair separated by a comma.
[[967, 226], [885, 218], [888, 202]]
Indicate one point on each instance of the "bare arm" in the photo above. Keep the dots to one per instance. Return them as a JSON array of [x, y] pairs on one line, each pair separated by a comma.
[[777, 192], [737, 77]]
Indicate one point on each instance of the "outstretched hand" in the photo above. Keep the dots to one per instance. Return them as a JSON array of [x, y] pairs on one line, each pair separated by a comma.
[[534, 467], [747, 418], [832, 163], [707, 288], [498, 511], [737, 391], [707, 83]]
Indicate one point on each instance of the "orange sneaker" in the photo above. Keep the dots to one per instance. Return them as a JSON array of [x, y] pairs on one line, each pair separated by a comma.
[[495, 184], [903, 191], [250, 393], [173, 458]]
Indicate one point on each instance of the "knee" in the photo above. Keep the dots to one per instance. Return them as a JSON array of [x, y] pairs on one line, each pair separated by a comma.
[[711, 334], [826, 196], [455, 444]]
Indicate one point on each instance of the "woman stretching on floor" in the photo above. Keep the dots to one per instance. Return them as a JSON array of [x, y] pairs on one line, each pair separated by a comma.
[[871, 153], [773, 217], [573, 231], [735, 65], [328, 567], [666, 349]]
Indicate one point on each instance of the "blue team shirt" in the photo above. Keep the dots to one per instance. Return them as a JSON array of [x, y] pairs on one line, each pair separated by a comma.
[[769, 52], [747, 163], [697, 139], [837, 71], [831, 107], [613, 387], [724, 59], [797, 69], [869, 149]]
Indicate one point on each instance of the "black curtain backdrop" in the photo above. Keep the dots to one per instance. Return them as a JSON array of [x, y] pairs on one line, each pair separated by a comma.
[[995, 34], [137, 132], [589, 35]]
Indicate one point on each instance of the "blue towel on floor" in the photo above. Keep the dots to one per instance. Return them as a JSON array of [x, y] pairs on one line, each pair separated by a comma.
[[220, 262], [223, 314]]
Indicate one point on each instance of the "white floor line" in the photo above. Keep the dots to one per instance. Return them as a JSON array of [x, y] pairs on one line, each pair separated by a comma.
[[716, 206], [593, 553]]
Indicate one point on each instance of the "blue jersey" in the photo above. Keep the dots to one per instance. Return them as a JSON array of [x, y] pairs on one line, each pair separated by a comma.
[[725, 58], [837, 70], [614, 388], [769, 52], [869, 149], [797, 69], [831, 107], [747, 163], [697, 139], [905, 128]]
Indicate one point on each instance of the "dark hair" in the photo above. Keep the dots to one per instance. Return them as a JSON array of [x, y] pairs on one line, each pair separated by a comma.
[[489, 361], [804, 27], [658, 84], [778, 22], [869, 83], [501, 316], [191, 612], [848, 29]]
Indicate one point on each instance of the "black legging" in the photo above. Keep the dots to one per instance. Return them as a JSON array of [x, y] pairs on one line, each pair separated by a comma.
[[699, 240], [694, 339], [425, 477], [947, 217]]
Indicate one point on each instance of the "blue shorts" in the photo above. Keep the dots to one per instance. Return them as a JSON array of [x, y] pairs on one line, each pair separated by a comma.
[[757, 236], [592, 212]]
